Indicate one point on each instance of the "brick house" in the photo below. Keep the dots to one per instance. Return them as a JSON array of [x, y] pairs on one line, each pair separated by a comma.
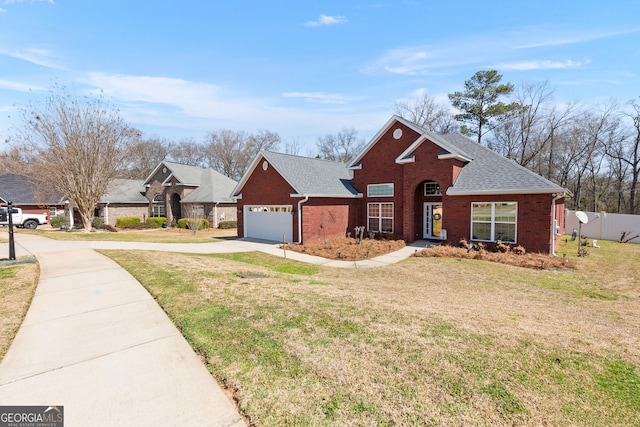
[[25, 194], [125, 197], [178, 191], [409, 183]]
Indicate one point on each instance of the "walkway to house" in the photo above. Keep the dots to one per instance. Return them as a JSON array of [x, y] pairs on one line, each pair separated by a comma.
[[95, 341]]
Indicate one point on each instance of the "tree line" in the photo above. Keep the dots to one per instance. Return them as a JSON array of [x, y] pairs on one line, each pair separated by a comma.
[[593, 151]]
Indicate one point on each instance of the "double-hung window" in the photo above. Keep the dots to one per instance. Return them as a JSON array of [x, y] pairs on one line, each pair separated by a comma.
[[380, 217], [494, 221]]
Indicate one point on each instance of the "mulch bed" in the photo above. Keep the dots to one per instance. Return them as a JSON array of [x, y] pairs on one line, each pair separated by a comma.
[[528, 260], [348, 250]]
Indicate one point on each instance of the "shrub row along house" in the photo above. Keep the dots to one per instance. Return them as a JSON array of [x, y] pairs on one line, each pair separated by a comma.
[[407, 183]]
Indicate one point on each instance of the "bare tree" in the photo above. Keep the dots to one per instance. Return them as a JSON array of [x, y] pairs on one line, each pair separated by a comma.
[[341, 147], [145, 155], [226, 152], [630, 155], [424, 111], [263, 140], [619, 167], [187, 152], [526, 133], [292, 146], [76, 146], [13, 161], [231, 152]]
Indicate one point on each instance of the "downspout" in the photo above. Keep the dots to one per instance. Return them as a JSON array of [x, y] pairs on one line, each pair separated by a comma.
[[300, 218], [554, 220]]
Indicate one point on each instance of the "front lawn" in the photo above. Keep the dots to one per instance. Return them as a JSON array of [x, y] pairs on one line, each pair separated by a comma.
[[427, 341], [17, 285], [153, 235]]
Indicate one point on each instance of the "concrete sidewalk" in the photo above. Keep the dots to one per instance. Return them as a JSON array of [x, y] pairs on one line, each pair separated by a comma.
[[95, 341]]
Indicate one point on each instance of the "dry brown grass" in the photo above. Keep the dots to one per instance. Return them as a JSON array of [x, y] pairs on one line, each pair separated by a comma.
[[347, 249], [427, 341], [17, 286], [529, 260]]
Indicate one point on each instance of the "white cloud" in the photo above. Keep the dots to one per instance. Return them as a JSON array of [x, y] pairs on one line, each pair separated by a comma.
[[319, 97], [42, 57], [20, 1], [324, 20], [2, 10], [539, 65], [17, 86], [200, 99], [484, 49], [180, 108]]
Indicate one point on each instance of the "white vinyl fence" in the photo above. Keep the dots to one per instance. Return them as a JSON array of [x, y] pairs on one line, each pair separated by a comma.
[[605, 226]]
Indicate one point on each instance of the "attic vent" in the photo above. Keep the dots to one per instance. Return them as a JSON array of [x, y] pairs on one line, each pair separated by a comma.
[[265, 165], [397, 134]]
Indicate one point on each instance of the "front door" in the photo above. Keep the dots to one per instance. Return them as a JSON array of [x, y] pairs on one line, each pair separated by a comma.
[[432, 221]]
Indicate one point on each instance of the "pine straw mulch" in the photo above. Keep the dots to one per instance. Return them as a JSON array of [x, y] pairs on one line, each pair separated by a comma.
[[528, 260], [346, 249]]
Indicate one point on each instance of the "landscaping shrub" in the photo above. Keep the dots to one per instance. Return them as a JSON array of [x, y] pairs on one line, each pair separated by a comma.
[[96, 222], [155, 222], [227, 224], [108, 227], [515, 257], [58, 221], [202, 223], [127, 221]]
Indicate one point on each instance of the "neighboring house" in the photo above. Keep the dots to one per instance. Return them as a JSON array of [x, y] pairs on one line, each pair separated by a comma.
[[407, 182], [178, 191], [125, 197], [20, 191]]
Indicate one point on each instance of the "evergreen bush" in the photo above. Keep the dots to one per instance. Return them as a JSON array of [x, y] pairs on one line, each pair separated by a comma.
[[127, 222]]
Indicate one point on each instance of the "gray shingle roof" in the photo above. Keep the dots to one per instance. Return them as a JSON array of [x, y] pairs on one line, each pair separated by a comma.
[[214, 187], [490, 173], [186, 174], [125, 191], [19, 190], [313, 177]]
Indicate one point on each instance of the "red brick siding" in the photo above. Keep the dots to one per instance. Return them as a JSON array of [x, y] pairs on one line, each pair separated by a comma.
[[560, 209], [379, 167], [427, 167], [266, 188], [328, 218], [534, 218]]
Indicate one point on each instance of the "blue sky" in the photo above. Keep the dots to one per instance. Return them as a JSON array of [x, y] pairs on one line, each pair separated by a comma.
[[305, 68]]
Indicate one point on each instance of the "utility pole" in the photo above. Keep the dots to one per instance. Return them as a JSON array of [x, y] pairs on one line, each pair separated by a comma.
[[12, 246]]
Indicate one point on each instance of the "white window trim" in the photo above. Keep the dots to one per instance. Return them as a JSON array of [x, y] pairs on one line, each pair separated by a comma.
[[270, 208], [493, 222], [369, 186], [380, 217], [424, 189]]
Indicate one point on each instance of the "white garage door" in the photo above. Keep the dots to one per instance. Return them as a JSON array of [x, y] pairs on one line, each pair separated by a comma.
[[269, 222]]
